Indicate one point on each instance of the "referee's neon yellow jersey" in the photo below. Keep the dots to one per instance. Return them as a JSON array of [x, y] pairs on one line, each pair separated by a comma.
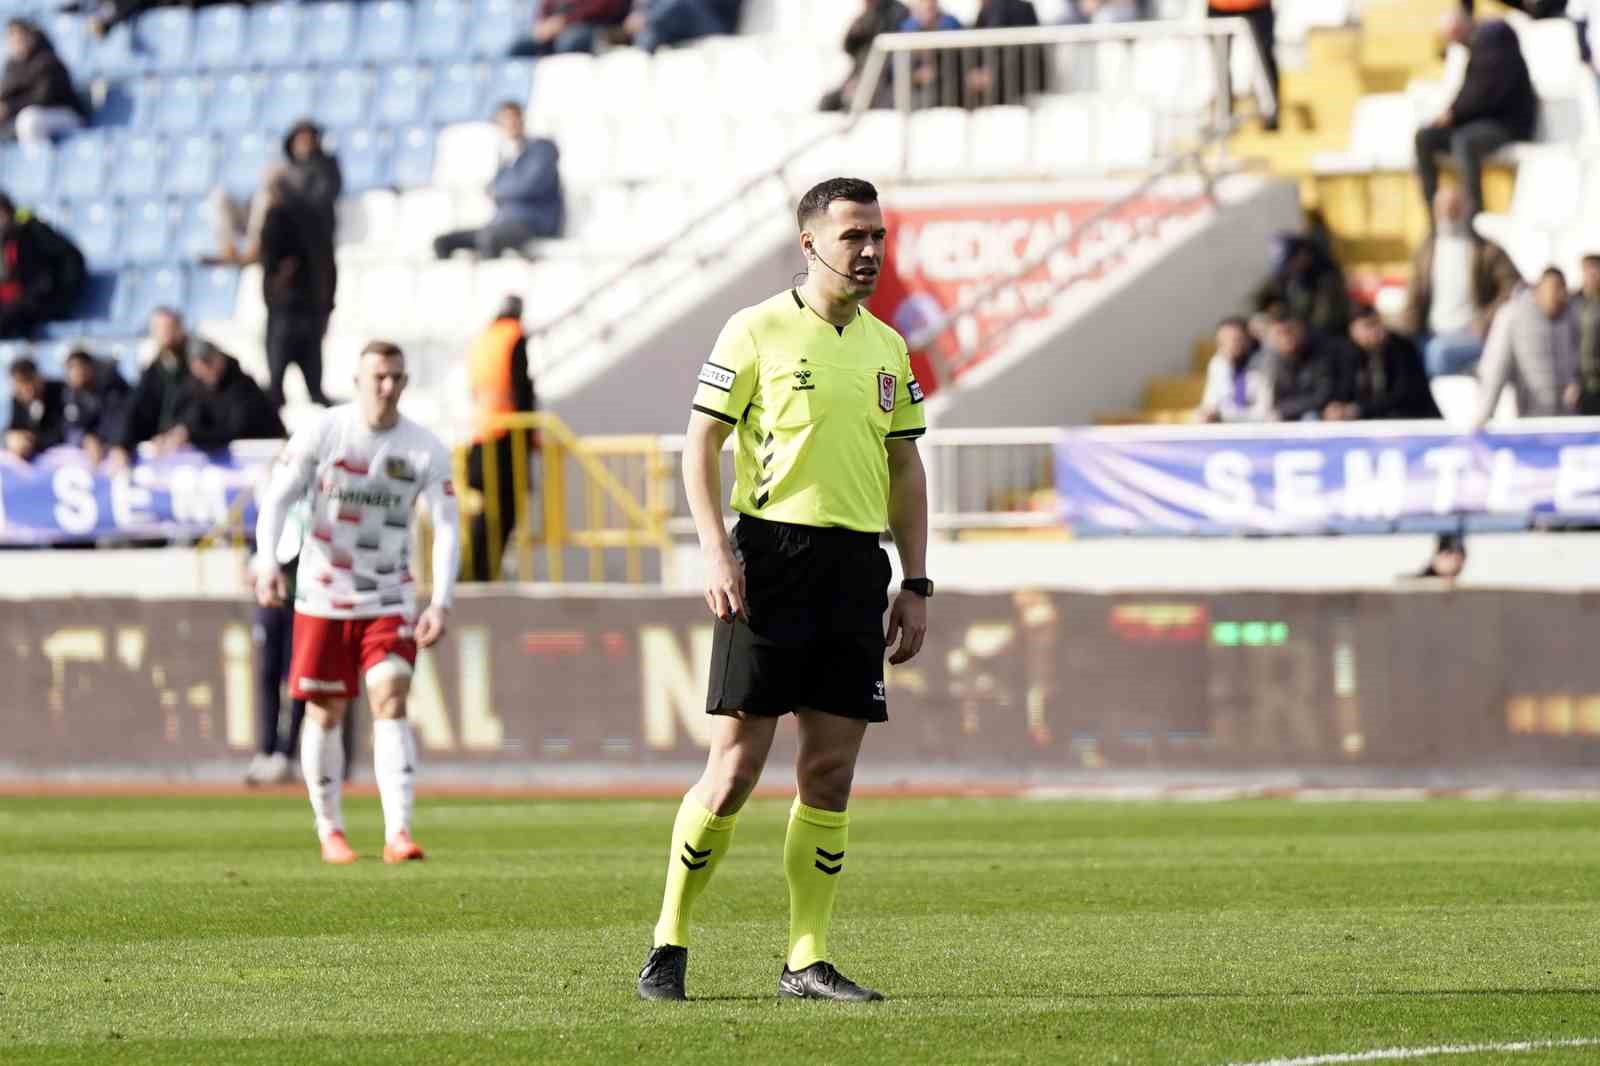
[[813, 407]]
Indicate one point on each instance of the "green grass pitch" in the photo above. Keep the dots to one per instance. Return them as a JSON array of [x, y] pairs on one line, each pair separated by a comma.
[[204, 930]]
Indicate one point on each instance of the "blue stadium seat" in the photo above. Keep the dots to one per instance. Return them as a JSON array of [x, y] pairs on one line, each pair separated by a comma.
[[234, 103], [26, 170], [385, 31], [511, 79], [344, 98], [194, 237], [147, 232], [81, 164], [363, 159], [51, 355], [192, 165], [330, 32], [139, 168], [402, 95], [498, 24], [182, 105], [116, 107], [126, 352], [99, 292], [247, 157], [112, 56], [441, 28], [96, 231], [141, 291], [219, 37], [411, 165], [458, 94], [70, 36], [290, 96], [212, 292], [162, 38], [274, 35]]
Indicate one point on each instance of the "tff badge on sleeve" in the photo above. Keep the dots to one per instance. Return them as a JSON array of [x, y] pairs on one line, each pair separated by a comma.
[[886, 391]]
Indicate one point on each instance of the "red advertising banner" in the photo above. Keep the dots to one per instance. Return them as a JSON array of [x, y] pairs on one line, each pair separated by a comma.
[[940, 257]]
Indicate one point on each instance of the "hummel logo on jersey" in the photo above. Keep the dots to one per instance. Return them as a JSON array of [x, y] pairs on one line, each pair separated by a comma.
[[803, 381], [398, 469], [718, 377]]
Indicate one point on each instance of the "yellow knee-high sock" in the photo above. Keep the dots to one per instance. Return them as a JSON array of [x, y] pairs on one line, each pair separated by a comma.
[[699, 840], [813, 859]]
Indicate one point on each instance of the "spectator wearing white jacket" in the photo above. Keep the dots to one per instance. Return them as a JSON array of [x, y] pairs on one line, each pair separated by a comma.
[[1238, 386]]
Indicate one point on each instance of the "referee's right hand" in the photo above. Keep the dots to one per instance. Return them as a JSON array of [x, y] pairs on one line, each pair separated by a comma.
[[725, 586]]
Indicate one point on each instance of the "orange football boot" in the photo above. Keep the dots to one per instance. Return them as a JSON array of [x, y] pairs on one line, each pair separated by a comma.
[[336, 849], [401, 848]]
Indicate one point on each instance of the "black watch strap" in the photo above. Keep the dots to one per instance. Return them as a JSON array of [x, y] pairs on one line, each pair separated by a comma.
[[920, 585]]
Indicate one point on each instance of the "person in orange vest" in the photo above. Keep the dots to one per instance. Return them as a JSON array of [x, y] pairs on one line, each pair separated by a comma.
[[1263, 26], [498, 370]]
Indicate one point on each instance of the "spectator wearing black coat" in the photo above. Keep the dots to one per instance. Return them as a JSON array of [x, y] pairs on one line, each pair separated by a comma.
[[37, 100], [41, 272], [877, 16], [1005, 75], [528, 201], [1310, 371], [1388, 379], [1496, 105], [152, 411], [35, 411], [93, 404], [299, 278], [220, 404], [570, 26], [315, 175], [1306, 283]]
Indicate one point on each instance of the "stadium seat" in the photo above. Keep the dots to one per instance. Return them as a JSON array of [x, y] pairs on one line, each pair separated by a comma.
[[181, 106], [274, 36], [70, 36], [411, 164], [1544, 202], [1062, 138], [343, 98], [81, 165], [147, 232], [384, 298], [449, 286], [587, 147], [510, 79], [700, 144], [244, 162], [27, 170], [249, 311], [760, 143], [113, 56], [644, 143], [1551, 49], [117, 105], [554, 289], [457, 94], [162, 37], [192, 165], [1382, 128], [140, 292], [368, 220], [937, 143], [235, 100], [441, 28], [213, 290], [498, 24], [219, 37], [422, 214], [997, 142], [290, 96], [194, 234], [496, 279], [402, 95], [622, 82], [363, 158], [681, 74], [876, 143], [99, 293], [330, 32], [96, 230], [467, 155], [744, 62], [384, 31], [559, 80], [655, 212], [1128, 137], [139, 167]]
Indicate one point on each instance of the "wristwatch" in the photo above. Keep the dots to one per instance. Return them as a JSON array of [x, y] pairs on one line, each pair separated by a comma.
[[920, 585]]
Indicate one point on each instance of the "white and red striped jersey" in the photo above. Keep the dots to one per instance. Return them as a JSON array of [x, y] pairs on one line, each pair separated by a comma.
[[362, 485]]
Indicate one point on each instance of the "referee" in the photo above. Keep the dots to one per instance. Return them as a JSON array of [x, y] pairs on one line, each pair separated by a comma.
[[826, 412]]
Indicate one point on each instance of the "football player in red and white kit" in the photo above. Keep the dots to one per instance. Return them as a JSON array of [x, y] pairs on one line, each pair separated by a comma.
[[364, 468]]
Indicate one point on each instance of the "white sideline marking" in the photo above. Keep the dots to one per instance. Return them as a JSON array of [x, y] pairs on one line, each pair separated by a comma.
[[1393, 1054]]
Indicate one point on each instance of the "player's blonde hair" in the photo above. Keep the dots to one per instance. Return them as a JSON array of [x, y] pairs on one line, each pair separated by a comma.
[[387, 349]]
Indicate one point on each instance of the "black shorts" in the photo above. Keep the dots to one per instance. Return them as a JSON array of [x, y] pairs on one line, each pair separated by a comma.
[[811, 636]]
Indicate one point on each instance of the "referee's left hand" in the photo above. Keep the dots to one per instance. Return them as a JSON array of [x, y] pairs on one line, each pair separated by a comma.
[[908, 621]]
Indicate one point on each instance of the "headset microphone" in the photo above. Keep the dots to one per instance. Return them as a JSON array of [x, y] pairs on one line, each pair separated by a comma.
[[830, 266]]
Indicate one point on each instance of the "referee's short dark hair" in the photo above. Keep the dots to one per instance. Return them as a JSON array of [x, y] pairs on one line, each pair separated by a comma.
[[824, 193]]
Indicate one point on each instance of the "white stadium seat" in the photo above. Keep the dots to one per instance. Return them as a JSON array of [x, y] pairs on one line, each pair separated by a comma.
[[560, 80], [701, 148], [466, 155], [368, 219], [876, 144], [997, 142], [937, 144], [423, 215], [1063, 137], [681, 75], [450, 296], [588, 146], [1128, 134], [621, 82], [1544, 203], [644, 147], [1382, 130]]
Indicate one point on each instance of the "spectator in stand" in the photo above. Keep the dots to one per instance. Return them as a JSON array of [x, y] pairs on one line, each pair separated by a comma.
[[220, 404], [1533, 346], [498, 370], [1458, 282], [1307, 283], [1264, 28], [93, 404], [1539, 9], [930, 71], [41, 272], [528, 202], [877, 16], [1101, 12], [570, 26], [36, 404], [1388, 379], [37, 100], [298, 281], [152, 410], [1496, 105], [1238, 388], [656, 24], [1586, 308], [1311, 372], [315, 176], [1005, 76]]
